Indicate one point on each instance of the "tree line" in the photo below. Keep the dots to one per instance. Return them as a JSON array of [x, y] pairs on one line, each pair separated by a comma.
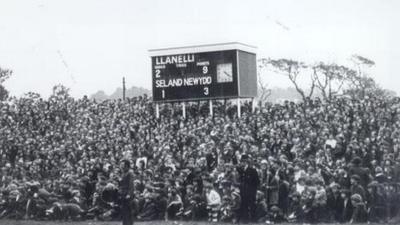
[[329, 79]]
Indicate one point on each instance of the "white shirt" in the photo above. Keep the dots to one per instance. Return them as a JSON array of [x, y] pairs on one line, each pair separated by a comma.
[[213, 198]]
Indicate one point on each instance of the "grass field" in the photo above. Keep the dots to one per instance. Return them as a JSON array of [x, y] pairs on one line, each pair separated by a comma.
[[89, 222], [29, 222]]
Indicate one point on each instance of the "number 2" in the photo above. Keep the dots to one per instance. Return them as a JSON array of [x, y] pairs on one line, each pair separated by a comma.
[[206, 92], [158, 73]]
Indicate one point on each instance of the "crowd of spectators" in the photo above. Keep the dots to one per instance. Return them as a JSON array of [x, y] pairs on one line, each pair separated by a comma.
[[311, 162]]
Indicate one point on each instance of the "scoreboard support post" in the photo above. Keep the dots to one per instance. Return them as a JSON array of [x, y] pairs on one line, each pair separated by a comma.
[[211, 107], [183, 110], [157, 111], [253, 105], [238, 108]]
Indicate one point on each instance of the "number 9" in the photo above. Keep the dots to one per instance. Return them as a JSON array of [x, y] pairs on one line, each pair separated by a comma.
[[205, 69]]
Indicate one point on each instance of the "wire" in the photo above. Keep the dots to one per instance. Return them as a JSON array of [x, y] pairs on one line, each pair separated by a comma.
[[66, 66]]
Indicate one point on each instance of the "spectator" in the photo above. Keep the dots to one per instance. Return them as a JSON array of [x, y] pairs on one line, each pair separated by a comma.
[[360, 211], [249, 182], [70, 150], [213, 202]]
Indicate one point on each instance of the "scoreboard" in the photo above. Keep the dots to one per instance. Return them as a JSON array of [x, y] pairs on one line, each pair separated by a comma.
[[203, 72]]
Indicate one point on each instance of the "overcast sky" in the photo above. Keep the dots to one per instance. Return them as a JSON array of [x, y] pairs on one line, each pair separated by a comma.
[[90, 45]]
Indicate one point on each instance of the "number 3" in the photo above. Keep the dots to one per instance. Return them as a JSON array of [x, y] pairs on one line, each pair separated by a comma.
[[206, 92]]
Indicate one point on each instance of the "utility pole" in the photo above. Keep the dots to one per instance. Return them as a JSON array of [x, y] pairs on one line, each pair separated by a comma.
[[123, 88]]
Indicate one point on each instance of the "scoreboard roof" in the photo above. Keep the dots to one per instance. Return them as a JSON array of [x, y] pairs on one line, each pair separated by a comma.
[[203, 48]]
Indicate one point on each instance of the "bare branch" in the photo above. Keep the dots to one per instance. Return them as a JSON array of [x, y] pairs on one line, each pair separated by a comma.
[[264, 91]]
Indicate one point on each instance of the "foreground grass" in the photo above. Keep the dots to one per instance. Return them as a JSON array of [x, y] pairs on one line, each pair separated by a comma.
[[90, 222]]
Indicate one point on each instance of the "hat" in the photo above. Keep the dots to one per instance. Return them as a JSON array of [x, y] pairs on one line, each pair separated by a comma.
[[334, 184], [244, 157], [197, 170], [260, 194], [275, 209], [356, 161], [357, 198], [226, 183], [186, 171], [373, 184], [378, 171], [345, 191], [295, 195], [356, 177], [207, 183], [264, 161], [149, 172]]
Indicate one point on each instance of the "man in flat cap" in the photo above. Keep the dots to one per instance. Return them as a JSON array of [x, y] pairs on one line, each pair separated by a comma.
[[249, 182]]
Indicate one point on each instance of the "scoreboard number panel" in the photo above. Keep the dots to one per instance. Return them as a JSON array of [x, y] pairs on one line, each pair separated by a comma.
[[185, 75]]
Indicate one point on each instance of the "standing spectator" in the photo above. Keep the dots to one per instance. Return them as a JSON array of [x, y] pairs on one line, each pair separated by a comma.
[[376, 202], [362, 172], [249, 182], [126, 188], [347, 207], [356, 187], [334, 202]]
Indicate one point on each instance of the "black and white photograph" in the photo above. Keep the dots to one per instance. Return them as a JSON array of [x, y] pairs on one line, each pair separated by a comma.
[[199, 112]]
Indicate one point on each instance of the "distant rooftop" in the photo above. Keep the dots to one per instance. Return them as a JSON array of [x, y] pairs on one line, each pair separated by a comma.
[[203, 48]]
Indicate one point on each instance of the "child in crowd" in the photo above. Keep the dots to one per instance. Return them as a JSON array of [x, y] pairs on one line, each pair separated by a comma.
[[213, 201]]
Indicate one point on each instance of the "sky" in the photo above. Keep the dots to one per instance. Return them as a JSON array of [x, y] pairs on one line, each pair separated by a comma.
[[89, 45]]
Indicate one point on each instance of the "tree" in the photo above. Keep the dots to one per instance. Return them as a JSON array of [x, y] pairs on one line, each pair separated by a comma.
[[263, 91], [60, 91], [330, 79], [4, 75], [99, 95], [60, 94], [360, 82], [32, 95], [292, 69], [361, 61], [3, 93]]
